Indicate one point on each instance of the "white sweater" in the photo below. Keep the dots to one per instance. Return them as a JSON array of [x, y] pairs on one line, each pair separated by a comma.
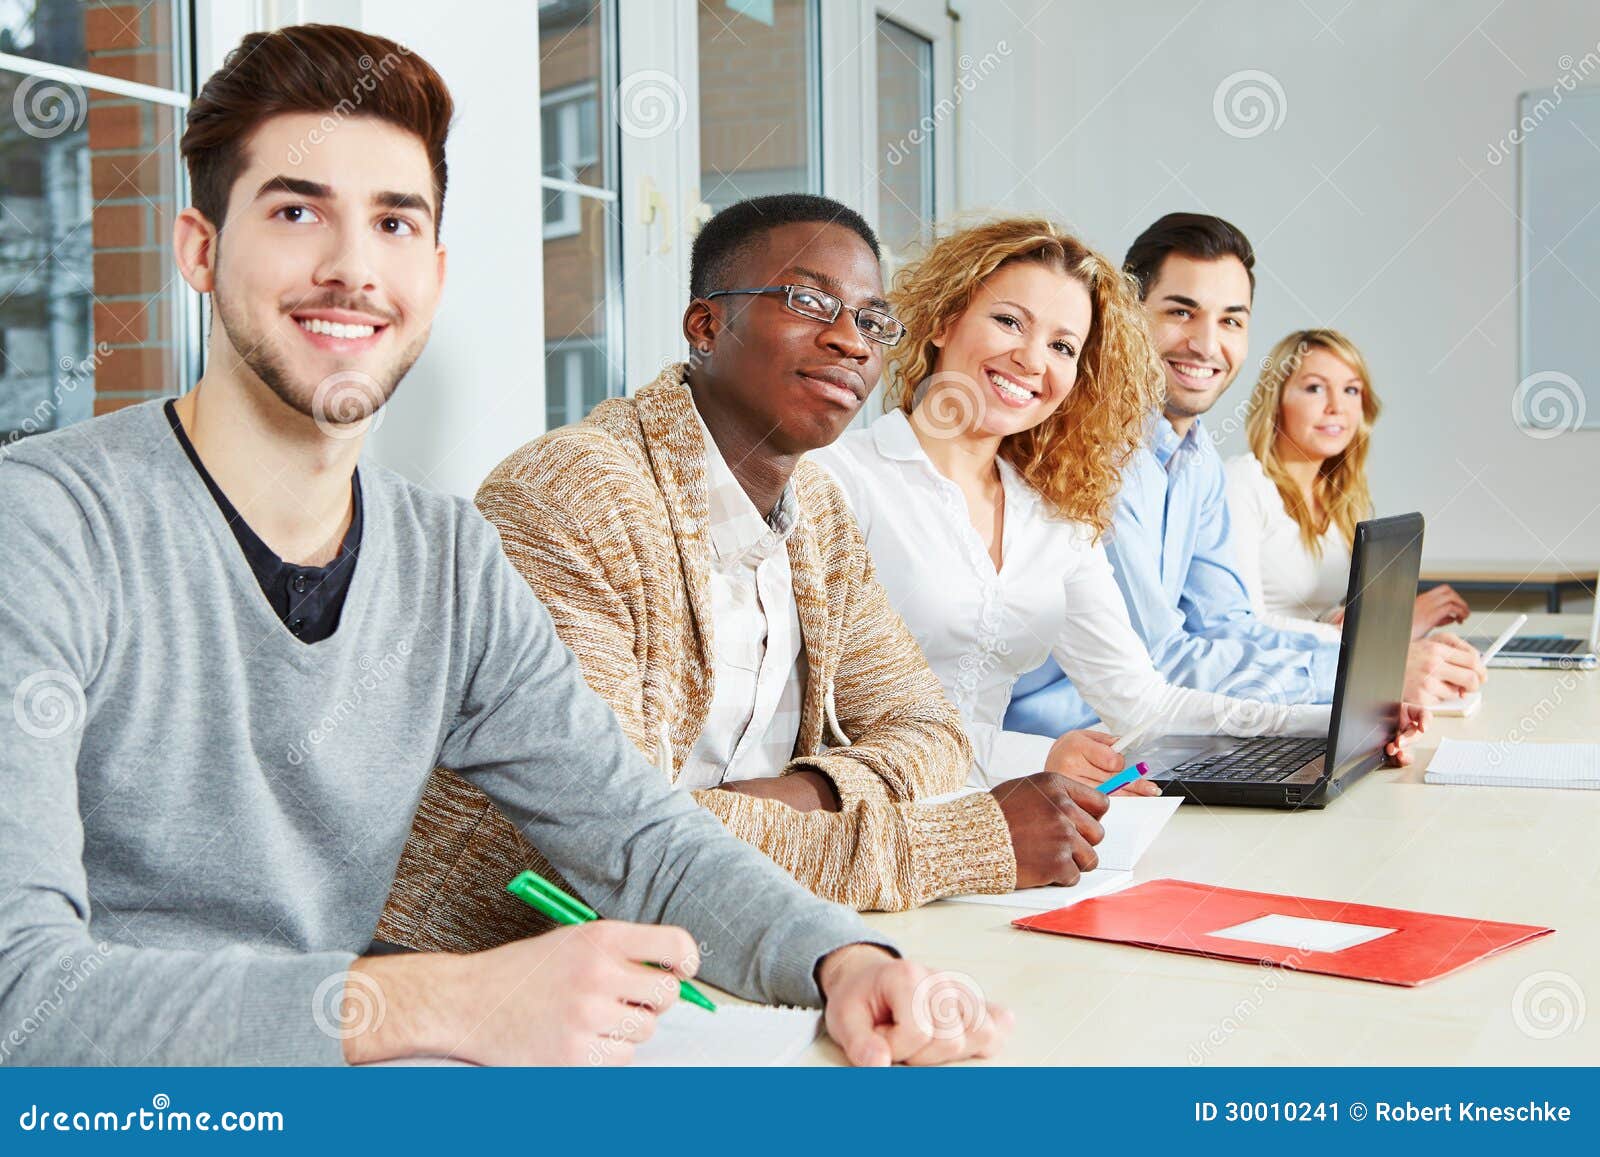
[[1289, 587]]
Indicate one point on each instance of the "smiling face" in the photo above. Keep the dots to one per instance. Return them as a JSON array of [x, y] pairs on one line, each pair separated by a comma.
[[326, 273], [793, 380], [1321, 408], [1199, 315], [1017, 345]]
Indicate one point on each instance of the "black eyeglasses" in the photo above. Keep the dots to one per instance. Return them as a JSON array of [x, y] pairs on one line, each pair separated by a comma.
[[874, 324]]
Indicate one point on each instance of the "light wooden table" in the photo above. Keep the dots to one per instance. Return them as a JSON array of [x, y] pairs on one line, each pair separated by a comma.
[[1520, 855]]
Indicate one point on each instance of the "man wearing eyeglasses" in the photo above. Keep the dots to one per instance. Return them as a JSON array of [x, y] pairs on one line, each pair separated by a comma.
[[719, 596]]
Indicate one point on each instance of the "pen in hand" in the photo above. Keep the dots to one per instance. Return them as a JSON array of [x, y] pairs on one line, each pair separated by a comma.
[[543, 896]]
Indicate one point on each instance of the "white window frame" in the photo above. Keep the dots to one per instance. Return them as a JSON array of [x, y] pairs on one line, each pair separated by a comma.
[[183, 302], [568, 103]]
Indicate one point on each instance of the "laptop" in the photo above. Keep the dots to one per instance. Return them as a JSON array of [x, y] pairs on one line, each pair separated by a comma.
[[1296, 771], [1563, 652]]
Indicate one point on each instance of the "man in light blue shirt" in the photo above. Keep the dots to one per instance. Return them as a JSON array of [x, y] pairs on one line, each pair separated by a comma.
[[1170, 541]]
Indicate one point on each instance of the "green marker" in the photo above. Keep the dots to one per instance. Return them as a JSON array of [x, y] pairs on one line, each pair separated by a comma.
[[543, 896]]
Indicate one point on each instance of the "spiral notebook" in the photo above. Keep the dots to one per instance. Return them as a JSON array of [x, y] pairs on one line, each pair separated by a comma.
[[1558, 765]]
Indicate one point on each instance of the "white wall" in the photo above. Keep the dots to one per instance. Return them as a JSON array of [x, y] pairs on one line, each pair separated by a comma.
[[1373, 208], [477, 392]]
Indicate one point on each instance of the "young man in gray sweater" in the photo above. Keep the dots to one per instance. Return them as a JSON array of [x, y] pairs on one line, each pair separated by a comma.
[[234, 658]]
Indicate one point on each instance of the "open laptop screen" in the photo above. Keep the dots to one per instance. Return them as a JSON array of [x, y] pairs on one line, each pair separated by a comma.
[[1377, 633]]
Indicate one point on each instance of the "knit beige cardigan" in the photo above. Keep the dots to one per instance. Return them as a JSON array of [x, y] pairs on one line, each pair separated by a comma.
[[607, 520]]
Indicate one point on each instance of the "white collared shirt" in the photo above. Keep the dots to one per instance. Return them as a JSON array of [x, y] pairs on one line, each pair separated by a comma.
[[1053, 596], [1289, 586], [758, 675]]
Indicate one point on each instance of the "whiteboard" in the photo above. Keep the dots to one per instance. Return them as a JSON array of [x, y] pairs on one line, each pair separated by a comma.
[[1557, 137]]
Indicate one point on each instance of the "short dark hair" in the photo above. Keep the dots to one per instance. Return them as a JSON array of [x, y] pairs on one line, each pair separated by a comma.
[[728, 236], [313, 68], [1197, 235]]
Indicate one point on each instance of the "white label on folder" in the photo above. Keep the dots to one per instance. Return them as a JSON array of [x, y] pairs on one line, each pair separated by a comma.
[[1305, 935]]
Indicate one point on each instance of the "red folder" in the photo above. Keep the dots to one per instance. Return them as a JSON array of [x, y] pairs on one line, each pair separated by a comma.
[[1176, 916]]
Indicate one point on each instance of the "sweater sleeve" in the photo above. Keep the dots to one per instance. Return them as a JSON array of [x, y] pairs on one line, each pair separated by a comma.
[[881, 850], [536, 740], [66, 998]]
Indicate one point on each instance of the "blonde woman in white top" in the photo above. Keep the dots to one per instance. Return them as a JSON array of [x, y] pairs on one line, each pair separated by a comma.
[[1296, 497], [1025, 381]]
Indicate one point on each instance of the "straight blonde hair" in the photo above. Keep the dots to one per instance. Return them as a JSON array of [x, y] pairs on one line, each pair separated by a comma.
[[1341, 486]]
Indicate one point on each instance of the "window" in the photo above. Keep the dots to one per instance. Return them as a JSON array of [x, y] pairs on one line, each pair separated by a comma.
[[93, 313], [571, 155], [905, 140], [582, 279], [758, 100]]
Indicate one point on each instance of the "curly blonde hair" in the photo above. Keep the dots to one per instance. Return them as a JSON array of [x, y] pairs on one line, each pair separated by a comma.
[[1075, 457], [1341, 487]]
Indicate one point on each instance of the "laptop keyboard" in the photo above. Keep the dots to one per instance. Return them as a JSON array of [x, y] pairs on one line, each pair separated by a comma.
[[1257, 761], [1543, 645]]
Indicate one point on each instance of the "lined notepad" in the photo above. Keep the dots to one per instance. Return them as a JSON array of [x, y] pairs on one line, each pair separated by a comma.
[[1560, 765]]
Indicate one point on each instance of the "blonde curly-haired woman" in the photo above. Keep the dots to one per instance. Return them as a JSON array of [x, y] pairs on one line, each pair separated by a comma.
[[1297, 495], [1022, 386]]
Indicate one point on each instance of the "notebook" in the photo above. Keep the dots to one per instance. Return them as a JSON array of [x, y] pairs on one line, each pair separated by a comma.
[[745, 1035], [1463, 708], [1132, 825], [1569, 765]]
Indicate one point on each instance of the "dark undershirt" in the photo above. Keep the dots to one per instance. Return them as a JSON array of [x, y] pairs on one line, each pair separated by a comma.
[[307, 598]]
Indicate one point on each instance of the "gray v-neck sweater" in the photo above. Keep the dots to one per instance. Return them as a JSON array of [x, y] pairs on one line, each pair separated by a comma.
[[201, 816]]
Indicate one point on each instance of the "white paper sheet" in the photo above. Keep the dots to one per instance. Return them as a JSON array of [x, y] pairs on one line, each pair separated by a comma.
[[736, 1034], [1303, 934], [1132, 825]]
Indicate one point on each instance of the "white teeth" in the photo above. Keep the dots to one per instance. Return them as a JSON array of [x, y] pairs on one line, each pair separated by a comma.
[[1190, 371], [1009, 390], [336, 329]]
